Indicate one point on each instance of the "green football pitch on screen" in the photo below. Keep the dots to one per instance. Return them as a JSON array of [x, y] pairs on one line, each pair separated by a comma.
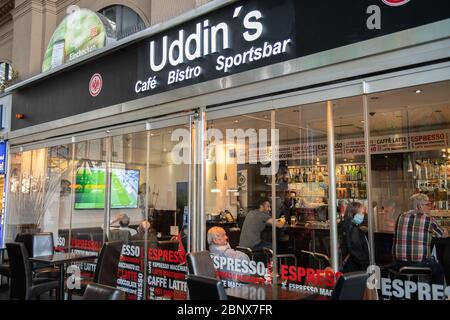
[[90, 190]]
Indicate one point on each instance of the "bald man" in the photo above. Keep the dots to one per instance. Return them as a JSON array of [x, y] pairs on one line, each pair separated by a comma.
[[219, 246]]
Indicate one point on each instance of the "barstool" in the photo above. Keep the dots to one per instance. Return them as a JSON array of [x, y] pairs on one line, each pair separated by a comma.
[[413, 274]]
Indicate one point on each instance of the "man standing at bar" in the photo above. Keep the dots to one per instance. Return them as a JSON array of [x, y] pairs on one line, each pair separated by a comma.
[[414, 232], [255, 222]]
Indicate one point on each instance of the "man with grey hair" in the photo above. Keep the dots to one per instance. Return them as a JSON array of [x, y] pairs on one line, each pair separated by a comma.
[[124, 224], [219, 246], [414, 232]]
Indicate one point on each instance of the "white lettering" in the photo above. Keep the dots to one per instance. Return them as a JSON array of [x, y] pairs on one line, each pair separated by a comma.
[[161, 66], [176, 48], [178, 75], [194, 40], [225, 37], [253, 25], [225, 64]]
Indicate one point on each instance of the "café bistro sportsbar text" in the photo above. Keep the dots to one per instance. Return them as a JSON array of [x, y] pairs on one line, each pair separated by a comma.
[[208, 40]]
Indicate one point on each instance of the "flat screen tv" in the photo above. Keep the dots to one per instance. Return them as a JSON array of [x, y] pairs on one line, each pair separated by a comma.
[[90, 188]]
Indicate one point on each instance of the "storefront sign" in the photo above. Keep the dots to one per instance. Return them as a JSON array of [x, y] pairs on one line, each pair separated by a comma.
[[242, 36], [2, 157]]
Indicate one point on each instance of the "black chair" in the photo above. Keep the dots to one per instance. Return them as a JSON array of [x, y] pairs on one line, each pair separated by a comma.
[[351, 286], [107, 263], [205, 288], [4, 266], [106, 268], [95, 291], [23, 285], [201, 264]]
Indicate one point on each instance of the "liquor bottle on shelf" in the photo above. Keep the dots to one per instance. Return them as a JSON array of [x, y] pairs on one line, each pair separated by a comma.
[[305, 175], [364, 173], [296, 177], [359, 174], [320, 177], [309, 175], [314, 175]]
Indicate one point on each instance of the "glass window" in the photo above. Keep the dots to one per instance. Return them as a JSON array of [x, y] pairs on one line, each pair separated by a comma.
[[409, 133], [125, 20], [169, 159], [238, 197], [87, 227], [40, 193]]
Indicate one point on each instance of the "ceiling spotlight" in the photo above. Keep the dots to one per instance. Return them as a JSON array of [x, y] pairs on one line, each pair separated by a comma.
[[419, 91], [236, 121]]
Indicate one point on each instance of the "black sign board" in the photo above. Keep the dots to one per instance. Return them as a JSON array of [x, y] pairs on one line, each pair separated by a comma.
[[239, 37]]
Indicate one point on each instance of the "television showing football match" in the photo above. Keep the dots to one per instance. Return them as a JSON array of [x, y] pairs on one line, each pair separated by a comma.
[[90, 188]]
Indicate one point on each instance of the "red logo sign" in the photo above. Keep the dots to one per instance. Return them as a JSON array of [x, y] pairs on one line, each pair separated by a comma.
[[395, 3], [95, 85]]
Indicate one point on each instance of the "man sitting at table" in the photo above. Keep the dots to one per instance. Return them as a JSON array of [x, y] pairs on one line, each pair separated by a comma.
[[255, 222], [219, 245], [414, 232]]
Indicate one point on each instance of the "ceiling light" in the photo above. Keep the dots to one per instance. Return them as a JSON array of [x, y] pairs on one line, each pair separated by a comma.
[[418, 91]]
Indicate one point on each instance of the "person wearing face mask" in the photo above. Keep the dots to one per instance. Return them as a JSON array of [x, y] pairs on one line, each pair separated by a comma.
[[356, 243]]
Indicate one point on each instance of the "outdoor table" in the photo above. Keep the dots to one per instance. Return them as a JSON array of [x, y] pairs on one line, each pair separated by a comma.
[[61, 259]]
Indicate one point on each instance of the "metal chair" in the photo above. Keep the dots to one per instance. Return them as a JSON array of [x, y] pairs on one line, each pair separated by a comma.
[[318, 261], [205, 288], [23, 285], [410, 273]]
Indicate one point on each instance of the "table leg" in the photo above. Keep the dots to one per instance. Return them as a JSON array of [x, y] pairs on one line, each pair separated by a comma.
[[61, 282]]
